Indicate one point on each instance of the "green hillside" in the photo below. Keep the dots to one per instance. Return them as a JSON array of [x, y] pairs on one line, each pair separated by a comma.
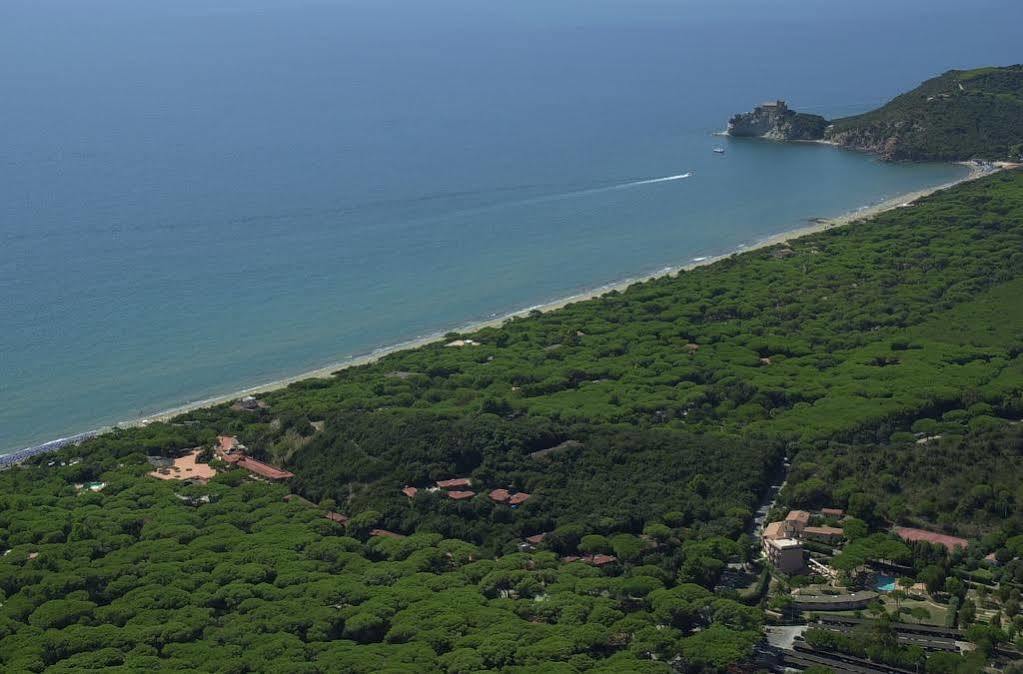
[[667, 410], [135, 578], [962, 114]]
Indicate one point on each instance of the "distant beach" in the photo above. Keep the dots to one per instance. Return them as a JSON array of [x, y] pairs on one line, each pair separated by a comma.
[[818, 225]]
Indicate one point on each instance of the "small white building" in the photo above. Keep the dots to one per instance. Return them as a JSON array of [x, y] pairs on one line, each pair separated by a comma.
[[786, 554], [781, 550]]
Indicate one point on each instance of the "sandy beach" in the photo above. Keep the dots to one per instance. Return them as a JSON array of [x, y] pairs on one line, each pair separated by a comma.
[[816, 225]]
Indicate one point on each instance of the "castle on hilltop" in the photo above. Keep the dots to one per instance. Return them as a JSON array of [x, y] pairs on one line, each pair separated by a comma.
[[774, 120]]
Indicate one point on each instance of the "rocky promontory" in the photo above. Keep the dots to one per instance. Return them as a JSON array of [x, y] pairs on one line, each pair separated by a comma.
[[959, 115], [775, 121]]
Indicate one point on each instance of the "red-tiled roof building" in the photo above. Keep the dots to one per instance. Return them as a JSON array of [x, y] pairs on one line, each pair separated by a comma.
[[337, 517], [911, 535], [227, 443], [602, 560], [384, 533], [780, 549], [264, 470], [409, 491], [797, 519], [832, 512], [229, 449], [774, 531], [825, 534], [500, 496], [518, 499], [460, 495], [454, 483], [536, 539]]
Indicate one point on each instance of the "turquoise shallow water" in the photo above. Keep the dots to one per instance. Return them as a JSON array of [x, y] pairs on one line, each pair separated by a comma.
[[200, 196]]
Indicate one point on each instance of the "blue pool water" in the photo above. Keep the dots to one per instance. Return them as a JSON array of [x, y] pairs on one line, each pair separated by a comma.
[[884, 583]]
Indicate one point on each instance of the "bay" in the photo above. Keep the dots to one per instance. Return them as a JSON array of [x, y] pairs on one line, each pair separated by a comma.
[[200, 196]]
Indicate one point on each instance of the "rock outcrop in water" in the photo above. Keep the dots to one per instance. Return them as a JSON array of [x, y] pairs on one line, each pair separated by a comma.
[[959, 115], [774, 120]]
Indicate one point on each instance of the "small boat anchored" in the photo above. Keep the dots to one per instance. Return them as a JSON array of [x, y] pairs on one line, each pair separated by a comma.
[[719, 150]]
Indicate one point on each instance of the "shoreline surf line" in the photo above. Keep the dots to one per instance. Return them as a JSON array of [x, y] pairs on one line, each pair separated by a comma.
[[818, 225]]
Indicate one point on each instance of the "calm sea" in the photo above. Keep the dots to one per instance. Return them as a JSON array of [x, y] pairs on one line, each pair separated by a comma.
[[197, 196]]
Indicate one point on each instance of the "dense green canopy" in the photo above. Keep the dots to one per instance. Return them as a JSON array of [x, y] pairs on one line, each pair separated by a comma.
[[139, 577], [860, 336], [666, 409], [961, 114]]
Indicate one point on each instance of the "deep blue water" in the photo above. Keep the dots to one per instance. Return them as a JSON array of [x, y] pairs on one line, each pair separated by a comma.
[[197, 196]]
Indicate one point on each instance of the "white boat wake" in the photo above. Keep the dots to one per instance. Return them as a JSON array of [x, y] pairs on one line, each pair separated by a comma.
[[620, 186], [651, 181], [551, 198]]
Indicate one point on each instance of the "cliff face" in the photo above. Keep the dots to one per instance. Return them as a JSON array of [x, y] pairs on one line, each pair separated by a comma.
[[884, 141], [776, 121]]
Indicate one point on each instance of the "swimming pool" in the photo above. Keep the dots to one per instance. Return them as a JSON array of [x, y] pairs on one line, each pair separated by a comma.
[[884, 583]]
